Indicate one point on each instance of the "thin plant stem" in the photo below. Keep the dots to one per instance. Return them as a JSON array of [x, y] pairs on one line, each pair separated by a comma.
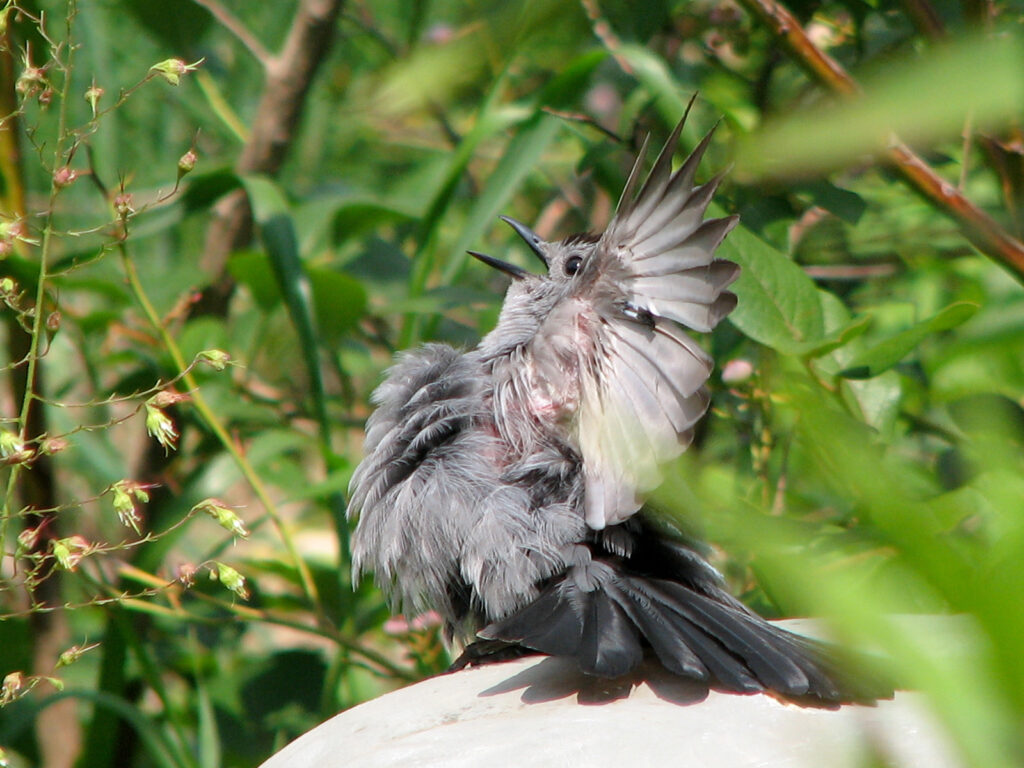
[[150, 670], [343, 640], [215, 425], [38, 317], [178, 611]]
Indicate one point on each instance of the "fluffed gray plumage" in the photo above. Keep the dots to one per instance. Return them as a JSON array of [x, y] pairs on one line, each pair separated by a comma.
[[503, 486]]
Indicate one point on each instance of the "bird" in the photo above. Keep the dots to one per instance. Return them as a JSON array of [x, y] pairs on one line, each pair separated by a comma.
[[504, 486]]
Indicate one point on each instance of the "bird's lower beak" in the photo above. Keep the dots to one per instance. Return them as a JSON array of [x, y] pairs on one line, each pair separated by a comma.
[[509, 269], [532, 238]]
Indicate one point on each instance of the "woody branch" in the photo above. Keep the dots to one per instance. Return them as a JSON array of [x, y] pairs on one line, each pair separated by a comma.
[[978, 227]]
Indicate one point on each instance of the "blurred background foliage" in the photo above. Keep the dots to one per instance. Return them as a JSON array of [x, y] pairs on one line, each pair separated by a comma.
[[864, 454]]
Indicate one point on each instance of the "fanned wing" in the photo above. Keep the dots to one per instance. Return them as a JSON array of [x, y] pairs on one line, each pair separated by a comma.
[[642, 385]]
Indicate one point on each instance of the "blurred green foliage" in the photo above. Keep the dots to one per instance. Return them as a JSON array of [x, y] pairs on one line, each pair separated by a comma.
[[864, 453]]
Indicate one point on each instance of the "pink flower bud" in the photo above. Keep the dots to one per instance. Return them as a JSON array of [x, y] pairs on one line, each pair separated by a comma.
[[737, 371], [64, 176]]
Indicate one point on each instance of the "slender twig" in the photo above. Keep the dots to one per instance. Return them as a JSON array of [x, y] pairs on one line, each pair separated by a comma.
[[818, 64], [980, 228], [39, 317], [850, 271], [579, 117], [215, 425], [605, 33], [233, 24], [977, 226], [173, 591], [965, 151], [924, 16]]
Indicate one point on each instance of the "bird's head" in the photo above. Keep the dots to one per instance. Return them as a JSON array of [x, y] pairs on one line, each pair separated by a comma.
[[532, 295]]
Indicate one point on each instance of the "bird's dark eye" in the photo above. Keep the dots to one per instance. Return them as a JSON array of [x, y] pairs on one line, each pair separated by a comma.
[[572, 265]]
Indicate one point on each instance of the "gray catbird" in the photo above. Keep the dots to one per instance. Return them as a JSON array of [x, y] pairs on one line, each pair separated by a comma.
[[503, 486]]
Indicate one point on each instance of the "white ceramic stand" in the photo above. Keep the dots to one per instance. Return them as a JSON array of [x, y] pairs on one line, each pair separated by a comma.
[[542, 712]]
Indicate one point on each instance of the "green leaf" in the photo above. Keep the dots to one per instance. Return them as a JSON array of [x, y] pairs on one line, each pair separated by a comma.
[[979, 75], [155, 745], [252, 269], [204, 189], [489, 119], [564, 90], [520, 157], [338, 300], [431, 75], [380, 263], [877, 399], [847, 205], [652, 71], [270, 209], [208, 738], [778, 303], [203, 332], [832, 341], [629, 21], [884, 355], [178, 26], [358, 216]]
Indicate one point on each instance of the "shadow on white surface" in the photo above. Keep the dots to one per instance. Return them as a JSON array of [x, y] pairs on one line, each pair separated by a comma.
[[540, 711]]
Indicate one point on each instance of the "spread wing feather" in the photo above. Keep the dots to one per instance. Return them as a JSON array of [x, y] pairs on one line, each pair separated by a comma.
[[642, 382], [692, 252]]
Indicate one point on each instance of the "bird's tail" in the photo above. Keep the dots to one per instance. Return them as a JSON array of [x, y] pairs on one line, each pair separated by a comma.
[[607, 618]]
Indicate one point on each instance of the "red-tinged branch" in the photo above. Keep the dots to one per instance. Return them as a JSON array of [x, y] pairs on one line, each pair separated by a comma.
[[818, 64], [982, 231]]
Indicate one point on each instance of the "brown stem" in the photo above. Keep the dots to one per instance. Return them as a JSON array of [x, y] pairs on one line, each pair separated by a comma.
[[982, 231], [57, 726], [604, 32], [924, 16], [1006, 157], [980, 11], [818, 64], [289, 75]]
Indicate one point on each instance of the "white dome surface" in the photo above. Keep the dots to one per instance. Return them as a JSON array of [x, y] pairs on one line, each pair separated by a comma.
[[541, 711]]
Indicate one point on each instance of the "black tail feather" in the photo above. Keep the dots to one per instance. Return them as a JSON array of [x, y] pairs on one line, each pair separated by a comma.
[[610, 644], [705, 634], [549, 624], [728, 669], [666, 639], [749, 638]]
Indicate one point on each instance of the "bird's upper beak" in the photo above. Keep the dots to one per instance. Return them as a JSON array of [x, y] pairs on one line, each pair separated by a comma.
[[517, 273], [532, 238]]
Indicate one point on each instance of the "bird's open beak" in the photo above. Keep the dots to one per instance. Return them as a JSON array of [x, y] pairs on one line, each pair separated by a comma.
[[532, 238], [517, 273]]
